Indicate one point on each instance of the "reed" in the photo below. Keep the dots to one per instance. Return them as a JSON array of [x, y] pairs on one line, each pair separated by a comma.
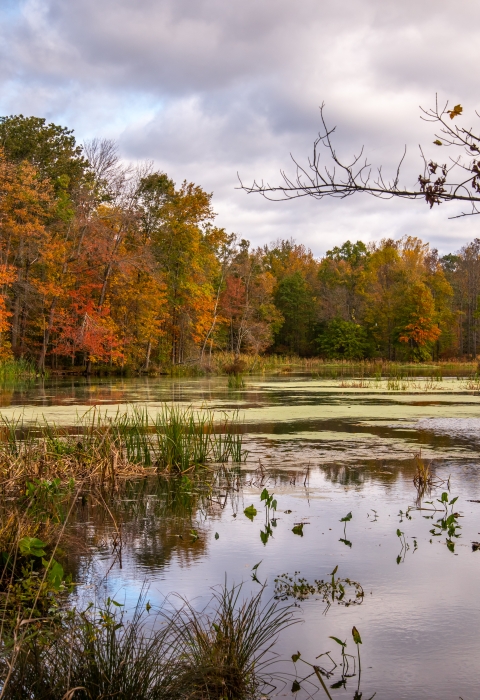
[[100, 448], [223, 652], [15, 370]]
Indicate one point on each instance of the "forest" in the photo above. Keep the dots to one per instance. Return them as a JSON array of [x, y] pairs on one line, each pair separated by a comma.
[[106, 265]]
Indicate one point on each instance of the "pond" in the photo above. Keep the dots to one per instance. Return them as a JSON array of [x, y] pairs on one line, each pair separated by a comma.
[[326, 448]]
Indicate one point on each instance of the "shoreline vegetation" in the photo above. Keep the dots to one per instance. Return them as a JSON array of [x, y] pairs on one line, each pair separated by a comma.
[[227, 364]]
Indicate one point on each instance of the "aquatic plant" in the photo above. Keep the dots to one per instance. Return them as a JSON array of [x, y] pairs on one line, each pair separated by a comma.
[[103, 448], [236, 381], [343, 591], [448, 524], [405, 546], [223, 652], [321, 672]]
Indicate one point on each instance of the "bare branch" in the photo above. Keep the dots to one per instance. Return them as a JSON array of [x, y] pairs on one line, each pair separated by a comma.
[[340, 179]]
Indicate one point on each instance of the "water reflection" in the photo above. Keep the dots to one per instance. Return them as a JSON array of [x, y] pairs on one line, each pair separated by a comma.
[[405, 607]]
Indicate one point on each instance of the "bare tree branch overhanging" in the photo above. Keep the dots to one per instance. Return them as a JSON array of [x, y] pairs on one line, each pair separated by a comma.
[[458, 179]]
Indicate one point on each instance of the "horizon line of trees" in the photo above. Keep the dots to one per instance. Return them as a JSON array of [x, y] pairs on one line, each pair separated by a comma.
[[102, 263]]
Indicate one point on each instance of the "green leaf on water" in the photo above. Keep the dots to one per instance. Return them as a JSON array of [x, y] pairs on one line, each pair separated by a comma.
[[295, 687], [250, 512], [254, 568], [264, 495], [333, 574], [339, 641], [399, 533], [217, 535], [295, 657], [453, 501], [347, 518], [298, 529], [356, 635], [399, 559], [450, 545]]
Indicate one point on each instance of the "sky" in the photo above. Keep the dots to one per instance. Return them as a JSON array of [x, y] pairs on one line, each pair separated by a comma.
[[206, 89]]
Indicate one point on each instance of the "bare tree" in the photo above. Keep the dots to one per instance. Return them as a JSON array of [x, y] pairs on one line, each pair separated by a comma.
[[457, 179]]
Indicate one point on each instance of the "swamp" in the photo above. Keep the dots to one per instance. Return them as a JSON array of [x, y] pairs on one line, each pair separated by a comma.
[[287, 534]]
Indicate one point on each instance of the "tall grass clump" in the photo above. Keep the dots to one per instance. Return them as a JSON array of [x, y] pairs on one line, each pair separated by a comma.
[[101, 448], [225, 654], [14, 370]]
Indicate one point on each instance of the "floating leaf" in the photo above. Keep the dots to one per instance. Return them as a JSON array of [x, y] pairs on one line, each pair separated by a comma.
[[334, 571], [295, 657], [287, 512], [295, 687], [437, 142], [298, 529], [148, 607], [347, 518], [217, 535], [250, 512], [254, 568]]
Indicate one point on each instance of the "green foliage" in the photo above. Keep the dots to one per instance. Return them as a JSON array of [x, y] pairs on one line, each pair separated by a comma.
[[47, 499], [353, 253], [250, 512], [295, 300], [50, 148], [343, 340]]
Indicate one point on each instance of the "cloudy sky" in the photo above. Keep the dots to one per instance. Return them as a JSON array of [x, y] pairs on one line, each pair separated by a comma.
[[209, 88]]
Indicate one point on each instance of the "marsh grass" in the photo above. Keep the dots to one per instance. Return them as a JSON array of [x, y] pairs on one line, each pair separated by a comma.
[[236, 381], [102, 449], [224, 652], [15, 370]]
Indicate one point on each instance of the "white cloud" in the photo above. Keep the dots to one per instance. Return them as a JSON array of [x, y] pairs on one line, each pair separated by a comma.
[[207, 88]]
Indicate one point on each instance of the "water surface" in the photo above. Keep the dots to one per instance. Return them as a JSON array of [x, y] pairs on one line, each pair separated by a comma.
[[324, 449]]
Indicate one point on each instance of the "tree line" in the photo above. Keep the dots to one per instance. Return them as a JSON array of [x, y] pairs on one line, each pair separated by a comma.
[[106, 264]]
